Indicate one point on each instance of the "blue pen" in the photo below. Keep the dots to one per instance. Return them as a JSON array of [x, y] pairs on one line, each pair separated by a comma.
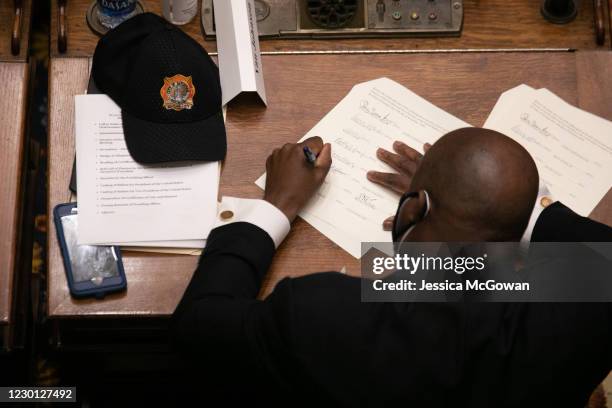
[[310, 156]]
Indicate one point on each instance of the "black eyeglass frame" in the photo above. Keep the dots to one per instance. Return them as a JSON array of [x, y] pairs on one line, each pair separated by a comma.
[[399, 230]]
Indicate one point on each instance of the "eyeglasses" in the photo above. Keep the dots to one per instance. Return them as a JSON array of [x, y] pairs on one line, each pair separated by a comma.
[[402, 223]]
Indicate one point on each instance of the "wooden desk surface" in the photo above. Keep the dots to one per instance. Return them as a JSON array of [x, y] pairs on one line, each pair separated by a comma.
[[6, 28], [301, 90], [487, 24], [12, 117]]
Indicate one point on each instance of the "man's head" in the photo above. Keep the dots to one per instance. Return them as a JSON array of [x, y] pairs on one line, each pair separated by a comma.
[[481, 185]]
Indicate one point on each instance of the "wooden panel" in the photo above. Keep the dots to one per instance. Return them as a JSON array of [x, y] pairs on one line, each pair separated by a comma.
[[487, 24], [12, 118], [594, 71], [594, 79], [301, 90], [6, 27]]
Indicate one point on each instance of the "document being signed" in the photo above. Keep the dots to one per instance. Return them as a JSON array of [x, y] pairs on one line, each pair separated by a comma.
[[348, 208], [572, 148]]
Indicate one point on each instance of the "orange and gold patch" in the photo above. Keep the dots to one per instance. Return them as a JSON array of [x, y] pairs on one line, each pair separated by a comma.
[[177, 92]]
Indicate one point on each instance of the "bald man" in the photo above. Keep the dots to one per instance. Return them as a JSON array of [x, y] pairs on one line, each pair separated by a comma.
[[313, 341]]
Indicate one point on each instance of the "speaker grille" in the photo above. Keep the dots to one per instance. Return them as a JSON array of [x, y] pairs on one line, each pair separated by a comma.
[[332, 13]]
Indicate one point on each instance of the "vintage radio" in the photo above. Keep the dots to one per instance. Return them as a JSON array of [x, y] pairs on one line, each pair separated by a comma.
[[350, 18]]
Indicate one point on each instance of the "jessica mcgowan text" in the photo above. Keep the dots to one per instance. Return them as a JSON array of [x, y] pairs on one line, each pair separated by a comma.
[[425, 286]]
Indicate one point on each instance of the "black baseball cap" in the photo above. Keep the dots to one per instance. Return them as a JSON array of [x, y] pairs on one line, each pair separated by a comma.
[[168, 89]]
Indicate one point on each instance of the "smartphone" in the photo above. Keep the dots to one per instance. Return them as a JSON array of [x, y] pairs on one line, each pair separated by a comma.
[[91, 270]]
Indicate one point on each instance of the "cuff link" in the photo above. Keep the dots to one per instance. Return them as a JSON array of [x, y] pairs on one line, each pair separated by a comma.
[[226, 215], [545, 201]]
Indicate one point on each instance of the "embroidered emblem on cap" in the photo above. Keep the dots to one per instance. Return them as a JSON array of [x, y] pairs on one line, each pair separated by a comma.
[[177, 92]]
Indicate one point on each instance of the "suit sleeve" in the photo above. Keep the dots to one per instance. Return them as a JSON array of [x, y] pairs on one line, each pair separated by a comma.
[[557, 223], [222, 326], [220, 323]]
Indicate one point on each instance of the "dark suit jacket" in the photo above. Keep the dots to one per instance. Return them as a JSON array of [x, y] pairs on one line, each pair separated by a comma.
[[312, 341]]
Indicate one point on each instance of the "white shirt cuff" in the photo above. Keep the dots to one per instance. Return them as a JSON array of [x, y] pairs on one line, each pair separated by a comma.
[[257, 212], [543, 200]]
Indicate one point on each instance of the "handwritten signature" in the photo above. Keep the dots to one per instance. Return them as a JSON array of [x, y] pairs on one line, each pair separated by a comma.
[[366, 200], [534, 125], [365, 107]]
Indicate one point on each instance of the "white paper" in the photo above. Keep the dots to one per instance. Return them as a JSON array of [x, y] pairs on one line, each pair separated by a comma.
[[182, 244], [572, 148], [161, 250], [240, 65], [349, 209], [184, 247], [122, 201]]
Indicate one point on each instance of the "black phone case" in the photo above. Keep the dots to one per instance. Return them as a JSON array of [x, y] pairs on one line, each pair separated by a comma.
[[98, 292]]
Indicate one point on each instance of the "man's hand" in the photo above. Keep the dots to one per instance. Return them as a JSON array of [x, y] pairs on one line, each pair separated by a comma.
[[405, 161], [291, 180]]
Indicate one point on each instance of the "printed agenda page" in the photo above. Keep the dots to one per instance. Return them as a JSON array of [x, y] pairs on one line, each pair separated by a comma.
[[123, 201]]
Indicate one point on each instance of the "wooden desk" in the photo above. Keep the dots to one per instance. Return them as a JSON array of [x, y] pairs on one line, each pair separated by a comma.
[[301, 90], [12, 144], [487, 24], [6, 28]]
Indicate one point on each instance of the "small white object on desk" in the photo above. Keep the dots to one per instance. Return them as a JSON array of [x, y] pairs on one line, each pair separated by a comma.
[[240, 66], [179, 12]]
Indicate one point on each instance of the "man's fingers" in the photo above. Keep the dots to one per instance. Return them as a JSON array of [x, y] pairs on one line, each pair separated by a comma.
[[271, 156], [406, 151], [393, 181], [315, 144], [324, 159], [394, 160], [268, 161], [426, 147], [388, 223], [397, 162]]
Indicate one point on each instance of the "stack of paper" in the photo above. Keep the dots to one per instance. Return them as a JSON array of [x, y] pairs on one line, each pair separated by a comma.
[[126, 203], [572, 148]]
